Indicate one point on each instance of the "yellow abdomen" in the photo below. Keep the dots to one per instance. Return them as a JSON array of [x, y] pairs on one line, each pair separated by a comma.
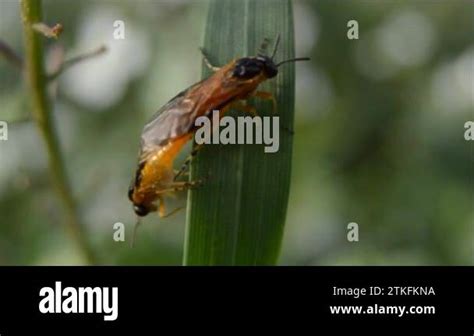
[[157, 172]]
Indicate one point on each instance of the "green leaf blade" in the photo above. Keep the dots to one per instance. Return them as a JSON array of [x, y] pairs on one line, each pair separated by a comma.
[[238, 216]]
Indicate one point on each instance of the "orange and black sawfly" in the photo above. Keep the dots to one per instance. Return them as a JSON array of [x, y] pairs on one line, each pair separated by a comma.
[[164, 136]]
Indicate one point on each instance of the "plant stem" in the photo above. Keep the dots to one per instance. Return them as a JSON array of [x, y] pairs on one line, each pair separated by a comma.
[[35, 74]]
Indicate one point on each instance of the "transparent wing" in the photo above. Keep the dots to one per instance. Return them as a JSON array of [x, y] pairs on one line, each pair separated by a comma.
[[173, 120]]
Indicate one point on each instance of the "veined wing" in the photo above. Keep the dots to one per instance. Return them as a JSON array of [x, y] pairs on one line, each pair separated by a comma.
[[174, 119]]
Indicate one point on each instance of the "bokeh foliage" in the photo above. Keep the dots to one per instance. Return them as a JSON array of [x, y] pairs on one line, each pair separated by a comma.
[[378, 140]]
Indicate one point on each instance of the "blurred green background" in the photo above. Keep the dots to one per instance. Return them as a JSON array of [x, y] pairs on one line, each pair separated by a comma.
[[378, 138]]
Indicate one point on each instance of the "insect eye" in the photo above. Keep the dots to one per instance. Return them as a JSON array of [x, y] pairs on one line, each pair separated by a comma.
[[140, 210], [271, 70], [247, 68]]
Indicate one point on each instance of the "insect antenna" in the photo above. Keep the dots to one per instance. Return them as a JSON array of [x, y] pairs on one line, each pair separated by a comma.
[[275, 47], [293, 60], [137, 223]]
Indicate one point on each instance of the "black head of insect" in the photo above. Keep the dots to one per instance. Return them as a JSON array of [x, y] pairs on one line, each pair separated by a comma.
[[141, 210], [250, 67]]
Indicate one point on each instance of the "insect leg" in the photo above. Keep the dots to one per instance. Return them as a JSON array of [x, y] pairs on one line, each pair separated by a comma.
[[185, 185], [176, 172], [172, 212], [267, 96], [263, 46], [239, 105], [179, 186], [188, 161], [162, 209], [207, 62]]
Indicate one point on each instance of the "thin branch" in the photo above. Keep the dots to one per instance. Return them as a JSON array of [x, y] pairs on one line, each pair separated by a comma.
[[69, 63], [19, 120], [49, 32], [35, 74], [10, 55]]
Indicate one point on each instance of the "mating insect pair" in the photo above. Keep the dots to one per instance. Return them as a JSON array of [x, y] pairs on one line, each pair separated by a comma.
[[174, 125]]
